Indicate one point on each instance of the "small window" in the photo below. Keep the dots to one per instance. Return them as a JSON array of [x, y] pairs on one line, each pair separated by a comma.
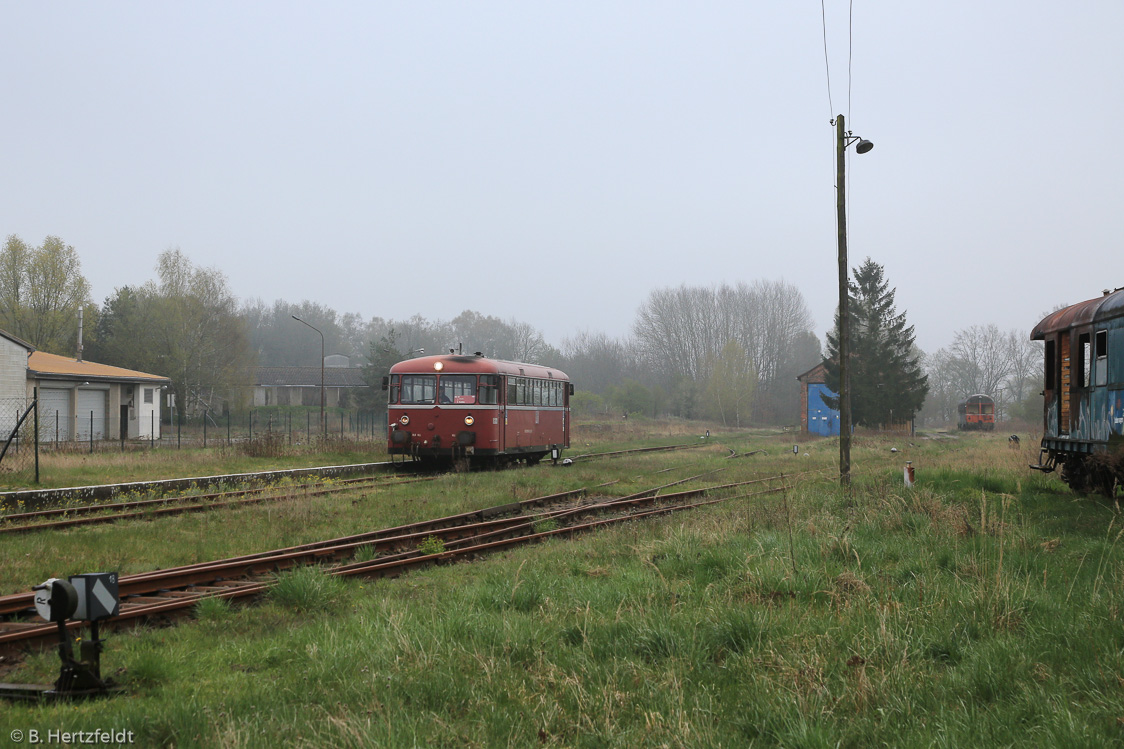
[[1101, 377], [148, 395], [395, 387]]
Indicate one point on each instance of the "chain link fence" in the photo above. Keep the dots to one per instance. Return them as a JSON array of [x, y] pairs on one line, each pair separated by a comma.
[[19, 459]]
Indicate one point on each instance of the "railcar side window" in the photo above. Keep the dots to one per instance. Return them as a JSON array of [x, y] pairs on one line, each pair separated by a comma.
[[489, 389], [458, 389], [1084, 349], [419, 389], [395, 386], [1102, 358], [1051, 365]]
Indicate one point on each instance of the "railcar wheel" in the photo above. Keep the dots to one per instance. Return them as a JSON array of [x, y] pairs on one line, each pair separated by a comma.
[[1075, 473]]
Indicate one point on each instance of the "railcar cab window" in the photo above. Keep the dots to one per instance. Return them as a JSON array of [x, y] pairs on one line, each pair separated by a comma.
[[458, 389], [419, 389], [489, 389]]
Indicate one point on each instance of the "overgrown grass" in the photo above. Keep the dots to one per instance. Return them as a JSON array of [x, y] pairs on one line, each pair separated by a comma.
[[982, 608]]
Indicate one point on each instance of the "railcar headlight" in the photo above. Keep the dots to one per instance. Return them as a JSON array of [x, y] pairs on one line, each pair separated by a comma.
[[404, 420], [438, 366], [469, 421]]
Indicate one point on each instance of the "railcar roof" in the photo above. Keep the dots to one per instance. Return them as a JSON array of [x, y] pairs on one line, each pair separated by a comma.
[[1104, 307], [452, 364]]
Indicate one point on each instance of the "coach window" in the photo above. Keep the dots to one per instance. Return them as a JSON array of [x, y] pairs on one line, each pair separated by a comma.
[[419, 389], [1084, 360], [489, 389], [1102, 358], [1051, 365], [458, 390], [395, 386]]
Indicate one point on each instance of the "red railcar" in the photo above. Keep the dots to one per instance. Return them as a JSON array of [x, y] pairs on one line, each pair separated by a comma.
[[452, 407], [976, 412]]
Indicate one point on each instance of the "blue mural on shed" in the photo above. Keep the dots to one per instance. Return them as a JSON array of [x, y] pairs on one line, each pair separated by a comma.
[[822, 420]]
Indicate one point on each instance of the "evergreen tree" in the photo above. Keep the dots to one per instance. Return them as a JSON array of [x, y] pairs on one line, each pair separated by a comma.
[[887, 381]]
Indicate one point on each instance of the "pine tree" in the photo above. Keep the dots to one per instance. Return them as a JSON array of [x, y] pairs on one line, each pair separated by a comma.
[[887, 382]]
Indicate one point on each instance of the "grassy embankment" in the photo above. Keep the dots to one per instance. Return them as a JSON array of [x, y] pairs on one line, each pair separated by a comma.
[[982, 607]]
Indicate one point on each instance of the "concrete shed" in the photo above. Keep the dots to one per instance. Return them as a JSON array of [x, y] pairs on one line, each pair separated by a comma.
[[82, 399]]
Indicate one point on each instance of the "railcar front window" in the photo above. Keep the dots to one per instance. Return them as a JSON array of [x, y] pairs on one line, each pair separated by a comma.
[[458, 390], [419, 389]]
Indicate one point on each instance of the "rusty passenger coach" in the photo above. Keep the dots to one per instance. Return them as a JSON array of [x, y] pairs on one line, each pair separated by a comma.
[[1083, 430], [471, 407]]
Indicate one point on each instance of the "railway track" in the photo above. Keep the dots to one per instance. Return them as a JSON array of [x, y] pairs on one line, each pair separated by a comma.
[[389, 551], [94, 513]]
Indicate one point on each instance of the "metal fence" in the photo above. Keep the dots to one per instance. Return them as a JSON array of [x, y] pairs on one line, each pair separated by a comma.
[[291, 425], [19, 455]]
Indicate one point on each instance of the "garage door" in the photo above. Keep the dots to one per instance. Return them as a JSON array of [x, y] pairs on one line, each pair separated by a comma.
[[91, 413], [54, 414]]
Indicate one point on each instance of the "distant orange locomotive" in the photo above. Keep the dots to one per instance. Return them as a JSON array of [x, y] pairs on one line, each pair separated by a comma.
[[453, 407]]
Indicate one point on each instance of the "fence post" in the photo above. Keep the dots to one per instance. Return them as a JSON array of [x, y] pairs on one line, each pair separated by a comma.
[[228, 427], [151, 428], [35, 403], [91, 432], [204, 429]]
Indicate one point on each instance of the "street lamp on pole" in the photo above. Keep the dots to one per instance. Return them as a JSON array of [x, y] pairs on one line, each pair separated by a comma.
[[323, 426], [843, 139]]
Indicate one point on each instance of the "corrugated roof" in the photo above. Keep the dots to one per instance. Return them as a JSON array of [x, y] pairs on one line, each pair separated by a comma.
[[334, 377], [53, 365]]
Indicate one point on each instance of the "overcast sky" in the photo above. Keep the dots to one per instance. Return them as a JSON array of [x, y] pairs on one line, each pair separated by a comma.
[[555, 162]]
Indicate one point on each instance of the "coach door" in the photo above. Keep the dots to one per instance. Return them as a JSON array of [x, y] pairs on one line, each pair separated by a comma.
[[501, 415], [1064, 384]]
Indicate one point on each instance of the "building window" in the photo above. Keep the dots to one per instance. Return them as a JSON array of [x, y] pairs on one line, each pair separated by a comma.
[[148, 395]]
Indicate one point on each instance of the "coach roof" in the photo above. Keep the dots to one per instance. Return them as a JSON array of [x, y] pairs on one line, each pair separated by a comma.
[[1106, 307]]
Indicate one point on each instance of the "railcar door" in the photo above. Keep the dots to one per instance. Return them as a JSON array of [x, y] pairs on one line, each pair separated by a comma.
[[1064, 384], [501, 414]]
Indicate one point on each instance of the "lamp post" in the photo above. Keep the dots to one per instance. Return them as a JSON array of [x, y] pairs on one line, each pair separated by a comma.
[[323, 426], [844, 138]]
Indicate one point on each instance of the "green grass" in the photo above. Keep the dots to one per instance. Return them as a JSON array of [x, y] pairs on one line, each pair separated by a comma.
[[982, 608]]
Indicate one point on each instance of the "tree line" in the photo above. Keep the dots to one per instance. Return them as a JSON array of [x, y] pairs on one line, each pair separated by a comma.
[[730, 353]]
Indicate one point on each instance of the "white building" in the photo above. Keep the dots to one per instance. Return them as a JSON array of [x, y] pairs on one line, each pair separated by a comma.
[[77, 398]]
